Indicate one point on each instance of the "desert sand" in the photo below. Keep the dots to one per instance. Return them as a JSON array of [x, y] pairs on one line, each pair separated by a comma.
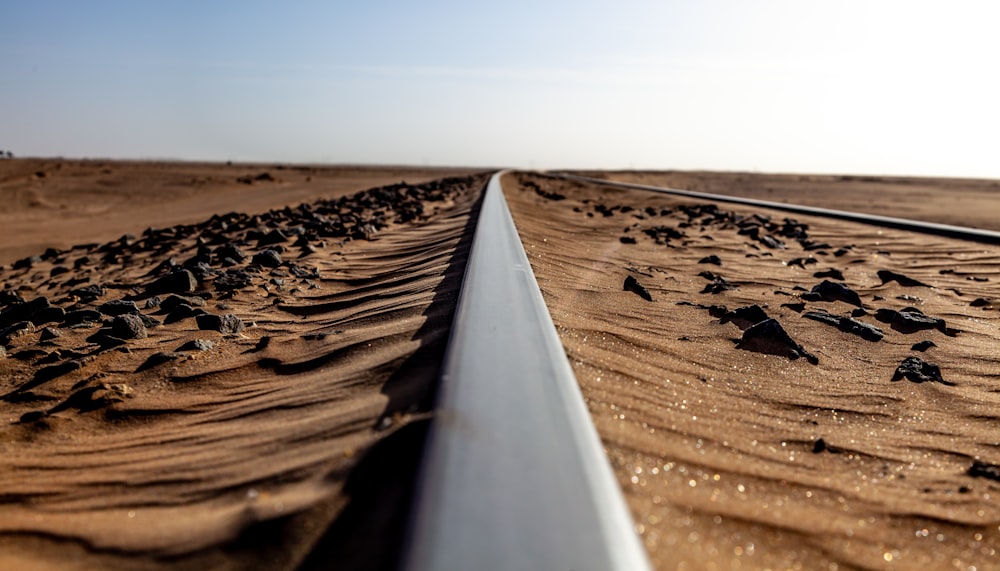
[[740, 448], [164, 436]]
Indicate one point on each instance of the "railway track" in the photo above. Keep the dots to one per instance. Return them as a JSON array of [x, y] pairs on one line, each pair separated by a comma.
[[515, 476]]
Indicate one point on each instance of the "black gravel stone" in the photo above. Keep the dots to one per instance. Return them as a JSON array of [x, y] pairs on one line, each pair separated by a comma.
[[49, 333], [128, 326], [923, 346], [27, 311], [81, 316], [268, 259], [232, 280], [832, 291], [632, 285], [230, 251], [770, 337], [847, 325], [917, 370], [745, 317], [910, 320], [979, 302], [626, 239], [88, 293], [227, 324], [172, 302], [713, 259], [182, 281], [119, 307], [984, 470]]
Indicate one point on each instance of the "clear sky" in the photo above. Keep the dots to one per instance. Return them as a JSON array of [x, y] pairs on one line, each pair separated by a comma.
[[883, 87]]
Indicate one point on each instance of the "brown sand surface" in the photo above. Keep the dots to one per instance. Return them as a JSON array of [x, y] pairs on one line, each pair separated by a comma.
[[60, 203], [958, 201], [291, 443], [734, 452]]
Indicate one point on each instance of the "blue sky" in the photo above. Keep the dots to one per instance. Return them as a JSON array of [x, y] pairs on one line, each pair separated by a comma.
[[790, 86]]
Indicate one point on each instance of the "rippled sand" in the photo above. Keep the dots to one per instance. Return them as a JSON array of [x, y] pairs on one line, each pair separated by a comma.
[[731, 458]]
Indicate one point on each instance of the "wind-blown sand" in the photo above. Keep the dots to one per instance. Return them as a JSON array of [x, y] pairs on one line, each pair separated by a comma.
[[736, 458], [293, 443]]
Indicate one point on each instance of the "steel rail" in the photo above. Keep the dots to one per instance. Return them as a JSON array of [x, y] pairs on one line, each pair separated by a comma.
[[960, 232], [515, 476]]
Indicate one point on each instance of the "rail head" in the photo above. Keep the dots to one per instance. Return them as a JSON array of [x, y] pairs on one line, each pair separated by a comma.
[[515, 476]]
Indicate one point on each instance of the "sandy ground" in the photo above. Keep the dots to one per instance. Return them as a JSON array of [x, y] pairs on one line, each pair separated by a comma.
[[962, 202], [740, 449], [292, 443], [245, 392]]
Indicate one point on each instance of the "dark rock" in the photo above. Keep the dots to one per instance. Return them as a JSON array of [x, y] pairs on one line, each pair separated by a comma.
[[50, 333], [832, 291], [153, 302], [182, 281], [27, 311], [149, 322], [890, 276], [796, 307], [859, 312], [745, 317], [632, 285], [25, 263], [271, 238], [847, 325], [227, 324], [128, 326], [268, 259], [88, 293], [119, 307], [771, 242], [770, 337], [977, 279], [626, 240], [917, 370], [979, 302], [923, 346], [819, 446], [233, 280], [841, 252], [830, 273], [48, 315], [197, 345], [713, 259], [79, 316], [910, 320], [909, 298], [172, 302], [984, 470]]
